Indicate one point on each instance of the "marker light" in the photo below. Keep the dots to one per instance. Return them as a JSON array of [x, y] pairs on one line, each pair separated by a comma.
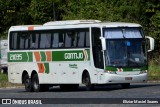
[[111, 72], [143, 71]]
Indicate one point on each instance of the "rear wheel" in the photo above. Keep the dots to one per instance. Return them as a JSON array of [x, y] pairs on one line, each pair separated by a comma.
[[4, 70], [35, 83], [27, 83], [86, 80], [125, 85], [38, 87]]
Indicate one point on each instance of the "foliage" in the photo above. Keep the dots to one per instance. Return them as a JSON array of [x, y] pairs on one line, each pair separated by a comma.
[[154, 69], [40, 11], [4, 81]]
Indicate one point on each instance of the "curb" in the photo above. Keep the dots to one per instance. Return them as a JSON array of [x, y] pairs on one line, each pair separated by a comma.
[[12, 87], [153, 81]]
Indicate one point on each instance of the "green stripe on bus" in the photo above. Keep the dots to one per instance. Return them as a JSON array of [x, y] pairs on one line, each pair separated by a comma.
[[126, 69], [43, 56], [68, 55], [20, 57], [46, 67], [71, 55], [30, 54]]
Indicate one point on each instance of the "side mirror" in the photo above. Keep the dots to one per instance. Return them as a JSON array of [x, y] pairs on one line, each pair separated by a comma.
[[151, 42], [103, 41]]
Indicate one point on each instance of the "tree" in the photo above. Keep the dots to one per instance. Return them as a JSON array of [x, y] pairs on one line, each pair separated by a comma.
[[13, 13], [41, 11]]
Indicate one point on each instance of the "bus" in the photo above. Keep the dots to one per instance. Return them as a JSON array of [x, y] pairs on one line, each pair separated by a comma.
[[77, 52], [3, 55]]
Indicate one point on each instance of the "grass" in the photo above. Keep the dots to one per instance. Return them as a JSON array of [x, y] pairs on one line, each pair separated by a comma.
[[154, 70], [4, 81]]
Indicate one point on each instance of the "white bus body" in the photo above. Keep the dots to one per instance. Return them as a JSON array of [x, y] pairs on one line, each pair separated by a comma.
[[69, 53]]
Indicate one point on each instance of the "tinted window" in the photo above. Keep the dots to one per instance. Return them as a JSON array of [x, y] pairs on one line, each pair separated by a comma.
[[13, 39], [48, 39], [55, 40], [45, 41], [34, 41]]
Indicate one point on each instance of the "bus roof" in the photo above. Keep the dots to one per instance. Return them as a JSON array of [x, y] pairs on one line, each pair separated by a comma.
[[73, 24], [70, 22]]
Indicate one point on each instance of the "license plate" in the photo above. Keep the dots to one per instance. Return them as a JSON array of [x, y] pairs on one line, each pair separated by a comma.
[[128, 78]]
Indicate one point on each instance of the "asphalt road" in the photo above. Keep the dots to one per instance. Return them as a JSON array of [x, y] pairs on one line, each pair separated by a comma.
[[145, 91]]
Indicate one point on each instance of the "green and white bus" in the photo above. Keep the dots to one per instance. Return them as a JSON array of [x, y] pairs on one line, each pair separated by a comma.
[[74, 52]]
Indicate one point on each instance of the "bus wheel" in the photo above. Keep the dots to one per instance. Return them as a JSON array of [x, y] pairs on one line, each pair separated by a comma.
[[35, 83], [27, 83], [86, 80], [38, 87], [125, 85]]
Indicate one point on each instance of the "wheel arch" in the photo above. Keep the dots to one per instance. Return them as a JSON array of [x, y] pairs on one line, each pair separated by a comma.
[[23, 75], [83, 74], [33, 72], [26, 73]]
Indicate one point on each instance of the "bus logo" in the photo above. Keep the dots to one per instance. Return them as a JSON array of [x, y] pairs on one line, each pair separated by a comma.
[[15, 56], [73, 55]]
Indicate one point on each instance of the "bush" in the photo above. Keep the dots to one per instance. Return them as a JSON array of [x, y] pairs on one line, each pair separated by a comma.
[[154, 69]]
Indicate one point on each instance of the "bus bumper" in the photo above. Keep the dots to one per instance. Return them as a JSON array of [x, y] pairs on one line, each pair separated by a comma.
[[114, 78]]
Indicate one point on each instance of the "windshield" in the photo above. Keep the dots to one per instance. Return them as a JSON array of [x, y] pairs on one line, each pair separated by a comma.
[[123, 51]]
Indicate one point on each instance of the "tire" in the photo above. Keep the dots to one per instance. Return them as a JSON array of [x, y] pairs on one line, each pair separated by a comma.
[[69, 87], [5, 70], [38, 87], [27, 84], [86, 80], [35, 83], [125, 85]]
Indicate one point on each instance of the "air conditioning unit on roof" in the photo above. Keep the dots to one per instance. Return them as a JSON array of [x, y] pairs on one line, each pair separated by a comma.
[[70, 22]]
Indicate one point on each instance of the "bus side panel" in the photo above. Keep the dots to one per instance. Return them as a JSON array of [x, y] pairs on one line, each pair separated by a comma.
[[16, 69], [49, 76]]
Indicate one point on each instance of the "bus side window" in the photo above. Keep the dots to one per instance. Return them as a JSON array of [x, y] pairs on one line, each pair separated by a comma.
[[81, 36], [74, 39], [24, 40], [45, 40], [55, 40], [61, 40], [68, 40], [34, 38], [96, 47], [18, 41], [87, 39], [48, 40], [83, 39], [13, 41]]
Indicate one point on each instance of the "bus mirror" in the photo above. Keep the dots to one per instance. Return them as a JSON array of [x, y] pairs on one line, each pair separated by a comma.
[[151, 43], [103, 41]]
